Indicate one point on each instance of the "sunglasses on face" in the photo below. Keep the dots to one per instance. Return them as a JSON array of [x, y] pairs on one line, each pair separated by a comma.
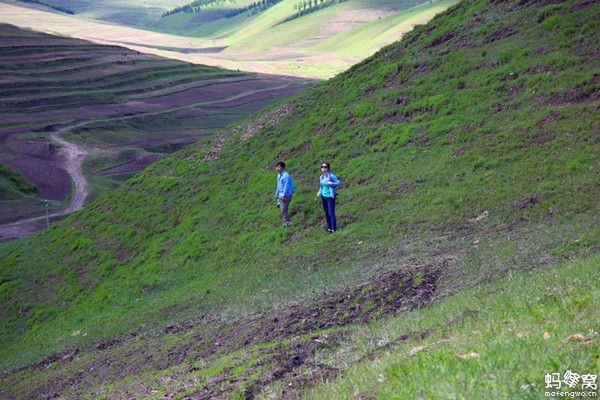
[[324, 166]]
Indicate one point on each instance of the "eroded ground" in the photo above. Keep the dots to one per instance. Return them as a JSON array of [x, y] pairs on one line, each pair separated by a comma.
[[210, 359]]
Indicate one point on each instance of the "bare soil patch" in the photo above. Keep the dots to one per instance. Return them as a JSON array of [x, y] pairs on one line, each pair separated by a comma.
[[10, 232], [350, 19], [136, 165], [576, 95], [292, 334], [269, 119], [53, 181], [256, 96]]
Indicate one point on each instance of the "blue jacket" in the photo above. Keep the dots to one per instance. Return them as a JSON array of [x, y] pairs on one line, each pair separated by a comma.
[[284, 185], [334, 182]]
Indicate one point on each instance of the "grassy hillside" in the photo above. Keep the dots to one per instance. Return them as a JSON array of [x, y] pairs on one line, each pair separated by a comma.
[[467, 152], [320, 44], [496, 341], [128, 12], [13, 185], [126, 108], [493, 341], [331, 38]]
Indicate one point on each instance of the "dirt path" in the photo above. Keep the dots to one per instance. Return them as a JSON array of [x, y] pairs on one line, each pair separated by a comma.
[[74, 155], [73, 161]]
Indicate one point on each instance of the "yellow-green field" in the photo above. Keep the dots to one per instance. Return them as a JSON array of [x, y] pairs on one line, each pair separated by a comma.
[[318, 45]]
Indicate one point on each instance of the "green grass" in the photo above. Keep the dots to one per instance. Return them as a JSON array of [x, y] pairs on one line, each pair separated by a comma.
[[13, 185], [307, 36], [518, 327], [427, 135], [244, 29], [368, 38], [98, 185]]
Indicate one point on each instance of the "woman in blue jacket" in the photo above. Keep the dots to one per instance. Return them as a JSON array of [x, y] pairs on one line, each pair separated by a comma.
[[328, 185]]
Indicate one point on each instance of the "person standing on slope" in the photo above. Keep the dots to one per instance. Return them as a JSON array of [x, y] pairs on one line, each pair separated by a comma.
[[328, 185], [283, 194]]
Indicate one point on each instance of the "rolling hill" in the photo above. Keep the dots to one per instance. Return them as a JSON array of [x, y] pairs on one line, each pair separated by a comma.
[[319, 44], [467, 252], [127, 12], [126, 109]]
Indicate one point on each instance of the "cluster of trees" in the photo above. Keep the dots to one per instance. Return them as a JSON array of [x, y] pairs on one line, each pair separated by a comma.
[[57, 8], [196, 6], [303, 5], [308, 6], [256, 7]]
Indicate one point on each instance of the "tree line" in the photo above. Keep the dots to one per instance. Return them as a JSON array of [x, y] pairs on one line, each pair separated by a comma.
[[308, 6], [196, 6], [255, 8], [301, 8]]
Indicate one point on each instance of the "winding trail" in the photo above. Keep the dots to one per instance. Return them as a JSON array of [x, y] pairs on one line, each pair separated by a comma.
[[74, 159], [74, 155]]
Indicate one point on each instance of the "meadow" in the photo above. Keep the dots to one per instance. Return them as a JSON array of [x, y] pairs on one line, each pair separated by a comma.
[[468, 224], [318, 45]]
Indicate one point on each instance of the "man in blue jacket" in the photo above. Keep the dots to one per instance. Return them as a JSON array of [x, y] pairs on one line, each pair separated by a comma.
[[285, 188]]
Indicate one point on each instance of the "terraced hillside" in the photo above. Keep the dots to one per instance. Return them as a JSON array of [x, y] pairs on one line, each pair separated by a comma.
[[124, 110], [128, 12], [465, 264]]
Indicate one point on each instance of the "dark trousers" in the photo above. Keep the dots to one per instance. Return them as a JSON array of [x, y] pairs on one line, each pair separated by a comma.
[[329, 208], [284, 203]]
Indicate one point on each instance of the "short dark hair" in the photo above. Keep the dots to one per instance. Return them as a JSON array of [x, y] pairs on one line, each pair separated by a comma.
[[280, 163], [325, 163]]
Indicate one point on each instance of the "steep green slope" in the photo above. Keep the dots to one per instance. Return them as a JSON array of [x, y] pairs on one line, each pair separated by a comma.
[[497, 341], [13, 185], [491, 341], [469, 149]]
